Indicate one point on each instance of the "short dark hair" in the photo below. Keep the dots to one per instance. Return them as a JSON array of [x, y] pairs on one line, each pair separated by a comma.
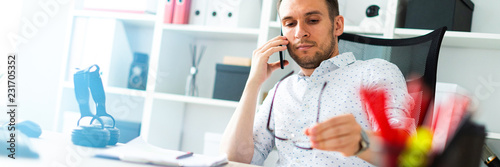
[[333, 8]]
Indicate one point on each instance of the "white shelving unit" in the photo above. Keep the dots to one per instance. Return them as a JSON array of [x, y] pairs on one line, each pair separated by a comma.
[[166, 111], [168, 48], [457, 38], [196, 100], [492, 135], [115, 90], [213, 32], [133, 18]]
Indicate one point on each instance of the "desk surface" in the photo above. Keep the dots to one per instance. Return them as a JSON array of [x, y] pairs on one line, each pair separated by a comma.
[[56, 150]]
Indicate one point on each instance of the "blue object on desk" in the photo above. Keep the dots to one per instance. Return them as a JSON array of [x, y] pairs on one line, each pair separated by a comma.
[[17, 145], [94, 134], [29, 128]]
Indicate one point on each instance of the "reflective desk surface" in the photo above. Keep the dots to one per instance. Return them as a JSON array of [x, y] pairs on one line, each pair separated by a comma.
[[56, 150]]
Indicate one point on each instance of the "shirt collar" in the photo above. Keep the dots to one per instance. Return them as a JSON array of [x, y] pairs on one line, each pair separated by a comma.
[[332, 64]]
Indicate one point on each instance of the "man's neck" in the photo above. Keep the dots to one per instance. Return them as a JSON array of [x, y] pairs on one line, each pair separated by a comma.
[[307, 72]]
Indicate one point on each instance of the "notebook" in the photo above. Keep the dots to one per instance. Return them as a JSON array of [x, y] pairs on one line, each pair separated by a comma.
[[138, 151]]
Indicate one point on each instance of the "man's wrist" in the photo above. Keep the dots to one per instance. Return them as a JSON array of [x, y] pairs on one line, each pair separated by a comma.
[[364, 143]]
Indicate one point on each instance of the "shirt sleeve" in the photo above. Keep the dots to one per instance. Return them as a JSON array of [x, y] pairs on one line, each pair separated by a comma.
[[262, 139], [382, 74]]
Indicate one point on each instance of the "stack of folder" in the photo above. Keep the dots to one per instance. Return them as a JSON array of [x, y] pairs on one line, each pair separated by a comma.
[[226, 13], [177, 11]]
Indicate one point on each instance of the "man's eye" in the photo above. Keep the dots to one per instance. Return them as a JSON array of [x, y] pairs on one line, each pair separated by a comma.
[[289, 24], [313, 21]]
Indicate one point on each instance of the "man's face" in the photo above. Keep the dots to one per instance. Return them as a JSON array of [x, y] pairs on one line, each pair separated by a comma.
[[308, 28]]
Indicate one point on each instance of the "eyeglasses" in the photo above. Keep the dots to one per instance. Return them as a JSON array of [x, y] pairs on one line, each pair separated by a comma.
[[299, 142]]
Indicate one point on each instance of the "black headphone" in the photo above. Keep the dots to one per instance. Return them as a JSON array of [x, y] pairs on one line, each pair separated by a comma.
[[99, 134]]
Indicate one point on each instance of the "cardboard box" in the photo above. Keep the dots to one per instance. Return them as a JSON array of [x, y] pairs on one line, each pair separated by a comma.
[[237, 61]]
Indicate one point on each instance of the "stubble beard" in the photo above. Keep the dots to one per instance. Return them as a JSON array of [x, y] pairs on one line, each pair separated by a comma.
[[325, 52]]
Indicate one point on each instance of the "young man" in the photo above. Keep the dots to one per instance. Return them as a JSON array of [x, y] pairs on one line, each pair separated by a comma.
[[316, 117]]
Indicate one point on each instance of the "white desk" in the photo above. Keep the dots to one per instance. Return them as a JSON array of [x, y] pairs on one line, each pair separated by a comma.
[[56, 150]]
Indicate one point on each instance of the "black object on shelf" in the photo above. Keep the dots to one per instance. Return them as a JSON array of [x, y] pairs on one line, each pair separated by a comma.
[[138, 75], [230, 81], [432, 14]]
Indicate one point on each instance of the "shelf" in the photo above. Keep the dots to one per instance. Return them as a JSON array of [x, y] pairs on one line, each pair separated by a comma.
[[457, 38], [196, 100], [211, 32], [348, 29], [115, 90], [359, 30], [492, 135], [142, 20]]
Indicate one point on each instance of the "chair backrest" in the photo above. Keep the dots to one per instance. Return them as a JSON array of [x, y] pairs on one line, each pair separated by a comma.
[[416, 58]]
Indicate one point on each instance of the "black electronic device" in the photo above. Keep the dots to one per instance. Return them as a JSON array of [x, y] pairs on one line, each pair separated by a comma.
[[97, 134], [372, 11], [282, 56]]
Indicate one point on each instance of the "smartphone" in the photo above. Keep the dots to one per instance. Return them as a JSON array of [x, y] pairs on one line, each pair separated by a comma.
[[282, 58]]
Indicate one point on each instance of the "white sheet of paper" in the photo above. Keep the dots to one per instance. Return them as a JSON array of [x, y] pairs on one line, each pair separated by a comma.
[[139, 151]]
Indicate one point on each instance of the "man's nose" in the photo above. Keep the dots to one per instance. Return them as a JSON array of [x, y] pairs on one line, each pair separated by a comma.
[[301, 31]]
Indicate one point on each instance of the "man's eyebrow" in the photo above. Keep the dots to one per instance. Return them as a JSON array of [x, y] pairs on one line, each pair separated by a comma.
[[287, 17], [307, 14], [313, 13]]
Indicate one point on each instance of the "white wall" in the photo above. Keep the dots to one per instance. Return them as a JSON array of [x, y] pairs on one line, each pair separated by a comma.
[[39, 59], [478, 72], [485, 16], [9, 24], [199, 119]]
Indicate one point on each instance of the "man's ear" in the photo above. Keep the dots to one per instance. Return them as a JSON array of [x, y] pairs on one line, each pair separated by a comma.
[[339, 25]]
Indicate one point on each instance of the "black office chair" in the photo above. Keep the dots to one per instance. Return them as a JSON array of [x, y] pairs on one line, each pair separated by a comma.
[[415, 57]]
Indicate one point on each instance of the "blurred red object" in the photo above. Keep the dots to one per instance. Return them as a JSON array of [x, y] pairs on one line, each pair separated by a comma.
[[394, 140]]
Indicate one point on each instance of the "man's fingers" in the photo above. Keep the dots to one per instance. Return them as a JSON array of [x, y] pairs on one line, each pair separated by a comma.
[[337, 131], [332, 122], [272, 50], [277, 65], [276, 41], [348, 144]]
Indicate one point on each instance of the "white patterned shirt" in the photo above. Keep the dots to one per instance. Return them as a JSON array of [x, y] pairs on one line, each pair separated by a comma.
[[296, 103]]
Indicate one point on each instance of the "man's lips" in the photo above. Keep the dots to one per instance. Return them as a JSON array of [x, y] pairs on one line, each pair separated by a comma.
[[304, 46]]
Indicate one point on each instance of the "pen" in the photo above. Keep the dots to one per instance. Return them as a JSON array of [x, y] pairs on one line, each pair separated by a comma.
[[188, 154]]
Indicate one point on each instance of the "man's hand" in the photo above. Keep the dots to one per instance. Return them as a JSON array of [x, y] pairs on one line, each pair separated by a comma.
[[341, 133], [261, 70]]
